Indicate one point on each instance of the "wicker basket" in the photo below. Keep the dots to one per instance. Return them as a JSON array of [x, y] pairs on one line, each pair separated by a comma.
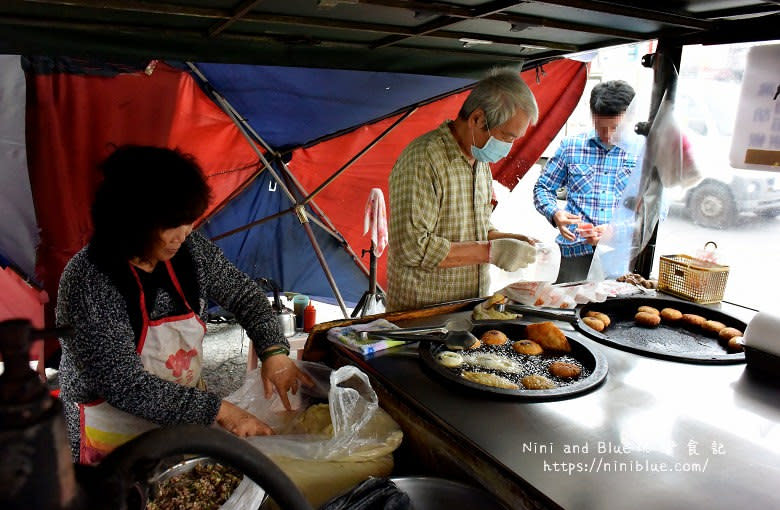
[[693, 279]]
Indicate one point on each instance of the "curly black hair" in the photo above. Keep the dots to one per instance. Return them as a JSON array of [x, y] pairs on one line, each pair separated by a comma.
[[611, 98], [144, 190]]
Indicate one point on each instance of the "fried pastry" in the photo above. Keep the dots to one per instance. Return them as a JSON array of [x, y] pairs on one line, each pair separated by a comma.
[[537, 382], [648, 309], [647, 319], [671, 315], [564, 370], [494, 337], [594, 323], [489, 380], [600, 316], [712, 327], [548, 336], [449, 359], [729, 333], [527, 347], [693, 320], [735, 344]]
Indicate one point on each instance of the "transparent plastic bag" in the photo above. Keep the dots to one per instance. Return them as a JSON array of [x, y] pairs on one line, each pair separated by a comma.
[[351, 428]]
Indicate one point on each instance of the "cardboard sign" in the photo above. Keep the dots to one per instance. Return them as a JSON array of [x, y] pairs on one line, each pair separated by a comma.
[[756, 140]]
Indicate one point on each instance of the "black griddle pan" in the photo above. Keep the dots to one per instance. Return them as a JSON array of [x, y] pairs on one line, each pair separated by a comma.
[[591, 360], [669, 342]]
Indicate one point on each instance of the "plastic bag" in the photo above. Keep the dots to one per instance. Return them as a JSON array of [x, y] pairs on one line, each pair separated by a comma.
[[666, 162], [372, 494], [357, 428]]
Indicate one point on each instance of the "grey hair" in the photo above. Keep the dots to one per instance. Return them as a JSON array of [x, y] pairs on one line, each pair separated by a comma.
[[500, 95]]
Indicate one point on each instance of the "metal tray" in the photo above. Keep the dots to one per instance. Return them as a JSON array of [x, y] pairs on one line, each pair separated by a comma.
[[591, 359], [674, 343]]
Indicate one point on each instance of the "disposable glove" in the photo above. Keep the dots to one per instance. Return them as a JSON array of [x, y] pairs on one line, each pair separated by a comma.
[[511, 254]]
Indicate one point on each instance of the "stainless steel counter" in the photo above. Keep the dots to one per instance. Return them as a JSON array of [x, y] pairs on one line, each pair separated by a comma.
[[656, 434]]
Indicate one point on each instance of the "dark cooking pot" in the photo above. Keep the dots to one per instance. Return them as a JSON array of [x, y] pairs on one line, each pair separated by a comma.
[[428, 493]]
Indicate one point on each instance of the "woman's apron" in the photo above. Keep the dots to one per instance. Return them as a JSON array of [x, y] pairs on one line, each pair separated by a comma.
[[170, 348]]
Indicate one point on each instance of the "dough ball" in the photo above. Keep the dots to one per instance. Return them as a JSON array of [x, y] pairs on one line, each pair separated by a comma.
[[494, 337], [671, 315], [692, 320], [489, 380], [476, 345], [600, 316], [565, 370], [729, 333], [537, 382], [713, 327], [594, 323], [449, 359], [735, 344], [528, 347], [647, 319], [548, 336], [648, 309]]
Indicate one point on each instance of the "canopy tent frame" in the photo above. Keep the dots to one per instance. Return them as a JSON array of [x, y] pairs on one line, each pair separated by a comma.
[[299, 204]]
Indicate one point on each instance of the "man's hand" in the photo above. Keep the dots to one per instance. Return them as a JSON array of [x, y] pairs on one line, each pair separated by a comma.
[[239, 422], [595, 234], [563, 219], [281, 373], [511, 254]]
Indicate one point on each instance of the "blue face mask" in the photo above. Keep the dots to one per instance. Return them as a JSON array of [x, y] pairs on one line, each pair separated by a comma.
[[493, 150]]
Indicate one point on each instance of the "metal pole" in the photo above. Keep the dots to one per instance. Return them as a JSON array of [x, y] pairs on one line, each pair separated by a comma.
[[665, 62], [357, 156], [324, 264], [299, 208]]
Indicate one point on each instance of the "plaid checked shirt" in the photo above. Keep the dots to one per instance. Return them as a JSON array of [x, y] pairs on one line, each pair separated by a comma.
[[594, 178], [435, 197]]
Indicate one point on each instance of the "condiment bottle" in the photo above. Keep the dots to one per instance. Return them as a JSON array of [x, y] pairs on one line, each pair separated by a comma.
[[309, 317]]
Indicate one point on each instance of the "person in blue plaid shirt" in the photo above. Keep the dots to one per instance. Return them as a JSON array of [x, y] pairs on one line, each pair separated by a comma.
[[595, 173]]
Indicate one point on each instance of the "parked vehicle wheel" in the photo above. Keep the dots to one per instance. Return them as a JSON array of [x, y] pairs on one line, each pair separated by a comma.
[[769, 213], [711, 205]]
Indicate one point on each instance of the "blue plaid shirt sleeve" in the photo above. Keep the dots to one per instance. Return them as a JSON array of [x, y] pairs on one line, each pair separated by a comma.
[[552, 178]]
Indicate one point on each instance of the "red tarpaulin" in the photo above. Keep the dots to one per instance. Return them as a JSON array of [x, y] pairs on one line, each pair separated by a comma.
[[74, 121]]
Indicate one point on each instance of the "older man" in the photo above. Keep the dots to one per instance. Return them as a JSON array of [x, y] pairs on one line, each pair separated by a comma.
[[440, 236], [595, 172]]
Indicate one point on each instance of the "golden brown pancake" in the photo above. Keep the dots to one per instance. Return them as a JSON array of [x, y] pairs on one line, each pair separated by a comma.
[[548, 336], [494, 337], [527, 347], [647, 319], [564, 370], [594, 323]]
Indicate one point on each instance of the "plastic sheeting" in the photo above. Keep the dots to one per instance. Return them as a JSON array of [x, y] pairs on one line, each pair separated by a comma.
[[666, 162], [18, 230]]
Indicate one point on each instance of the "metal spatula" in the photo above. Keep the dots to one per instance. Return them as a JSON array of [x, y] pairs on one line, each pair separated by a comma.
[[455, 334]]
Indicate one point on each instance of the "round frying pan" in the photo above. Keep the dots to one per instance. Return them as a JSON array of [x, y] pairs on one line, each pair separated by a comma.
[[670, 342], [593, 362]]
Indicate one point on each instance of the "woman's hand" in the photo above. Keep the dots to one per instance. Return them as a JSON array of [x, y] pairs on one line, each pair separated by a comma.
[[281, 373], [241, 423]]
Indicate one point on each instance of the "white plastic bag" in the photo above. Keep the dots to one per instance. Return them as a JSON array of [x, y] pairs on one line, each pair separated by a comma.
[[358, 428]]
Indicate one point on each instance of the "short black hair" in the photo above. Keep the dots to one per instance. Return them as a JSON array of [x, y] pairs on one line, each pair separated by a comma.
[[611, 98], [144, 190]]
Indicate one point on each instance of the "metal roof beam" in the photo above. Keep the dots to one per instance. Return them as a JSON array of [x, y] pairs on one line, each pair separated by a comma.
[[632, 11]]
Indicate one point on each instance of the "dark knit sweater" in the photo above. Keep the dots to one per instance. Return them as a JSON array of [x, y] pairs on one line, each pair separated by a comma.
[[100, 302]]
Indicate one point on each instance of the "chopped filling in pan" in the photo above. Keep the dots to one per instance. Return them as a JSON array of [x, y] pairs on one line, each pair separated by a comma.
[[205, 487]]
